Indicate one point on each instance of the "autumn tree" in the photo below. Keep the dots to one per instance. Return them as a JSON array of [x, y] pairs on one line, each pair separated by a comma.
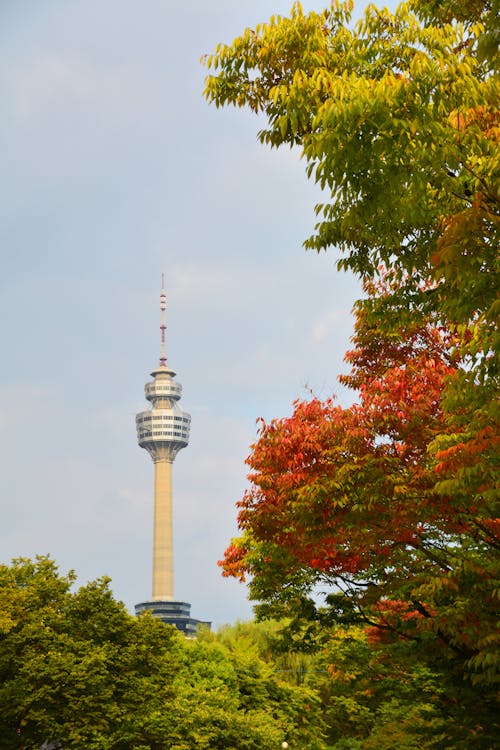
[[396, 118], [393, 502], [344, 501], [348, 496]]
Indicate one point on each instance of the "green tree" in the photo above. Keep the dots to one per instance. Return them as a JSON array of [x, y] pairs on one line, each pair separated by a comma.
[[397, 120], [379, 698], [265, 641], [76, 667], [250, 705]]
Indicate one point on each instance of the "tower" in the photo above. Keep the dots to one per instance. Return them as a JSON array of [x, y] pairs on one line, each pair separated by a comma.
[[163, 430]]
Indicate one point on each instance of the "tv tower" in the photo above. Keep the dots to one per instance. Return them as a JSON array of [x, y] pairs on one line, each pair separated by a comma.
[[163, 430]]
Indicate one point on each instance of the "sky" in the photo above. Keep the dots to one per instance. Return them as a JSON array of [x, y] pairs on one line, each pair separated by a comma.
[[115, 170]]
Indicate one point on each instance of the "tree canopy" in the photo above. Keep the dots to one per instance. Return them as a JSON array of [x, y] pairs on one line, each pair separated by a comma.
[[397, 119], [76, 668], [391, 505], [78, 671]]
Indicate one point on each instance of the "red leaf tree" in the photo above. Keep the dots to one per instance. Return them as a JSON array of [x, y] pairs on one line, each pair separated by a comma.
[[353, 499]]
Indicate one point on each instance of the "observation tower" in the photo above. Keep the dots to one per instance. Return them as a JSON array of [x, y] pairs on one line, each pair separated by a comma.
[[163, 430]]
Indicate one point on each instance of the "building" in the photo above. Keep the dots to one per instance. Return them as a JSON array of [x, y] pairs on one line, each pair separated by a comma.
[[163, 430]]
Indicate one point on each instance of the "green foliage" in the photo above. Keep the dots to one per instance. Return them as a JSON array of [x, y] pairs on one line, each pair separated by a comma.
[[76, 667], [73, 665], [375, 697], [371, 694], [396, 120]]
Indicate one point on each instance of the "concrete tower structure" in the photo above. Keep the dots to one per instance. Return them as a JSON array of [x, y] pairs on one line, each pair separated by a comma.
[[163, 430]]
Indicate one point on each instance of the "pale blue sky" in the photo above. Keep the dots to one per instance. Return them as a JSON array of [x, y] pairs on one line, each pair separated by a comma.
[[114, 170]]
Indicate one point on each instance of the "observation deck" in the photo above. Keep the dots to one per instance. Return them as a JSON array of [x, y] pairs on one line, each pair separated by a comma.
[[163, 430], [177, 614]]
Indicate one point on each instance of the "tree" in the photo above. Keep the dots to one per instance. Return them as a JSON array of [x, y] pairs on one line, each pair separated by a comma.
[[346, 499], [74, 665], [348, 496], [266, 708], [379, 698], [397, 120], [77, 668], [394, 501]]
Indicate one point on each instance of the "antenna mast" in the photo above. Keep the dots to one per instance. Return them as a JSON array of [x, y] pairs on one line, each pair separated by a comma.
[[163, 326]]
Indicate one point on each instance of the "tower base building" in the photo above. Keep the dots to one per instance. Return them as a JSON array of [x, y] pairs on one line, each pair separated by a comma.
[[173, 613]]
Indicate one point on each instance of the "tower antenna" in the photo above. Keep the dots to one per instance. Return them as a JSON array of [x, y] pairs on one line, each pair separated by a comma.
[[163, 326]]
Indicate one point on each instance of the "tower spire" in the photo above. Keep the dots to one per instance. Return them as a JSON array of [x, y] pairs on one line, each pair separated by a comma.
[[163, 326]]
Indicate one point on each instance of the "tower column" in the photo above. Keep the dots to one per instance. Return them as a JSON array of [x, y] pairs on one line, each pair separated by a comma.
[[163, 552]]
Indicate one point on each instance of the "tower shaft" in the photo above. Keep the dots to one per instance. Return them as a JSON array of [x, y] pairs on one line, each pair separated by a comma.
[[163, 550]]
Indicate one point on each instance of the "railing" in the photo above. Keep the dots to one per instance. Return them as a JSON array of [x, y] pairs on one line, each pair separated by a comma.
[[163, 389]]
